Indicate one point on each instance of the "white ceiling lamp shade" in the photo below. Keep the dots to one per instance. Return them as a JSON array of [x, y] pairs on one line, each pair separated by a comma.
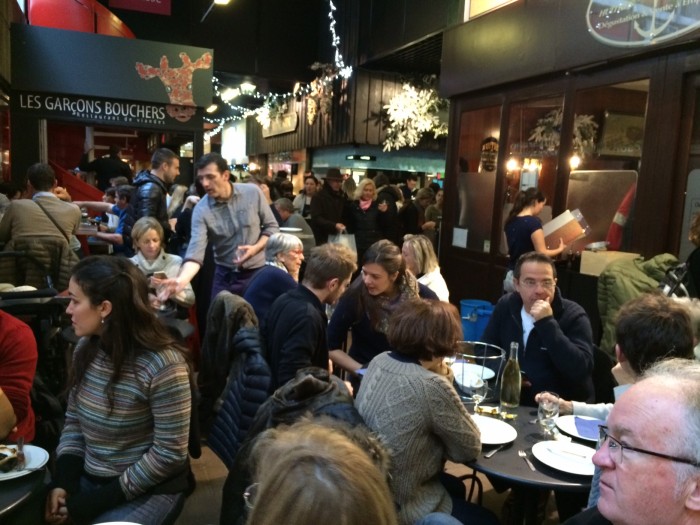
[[215, 2]]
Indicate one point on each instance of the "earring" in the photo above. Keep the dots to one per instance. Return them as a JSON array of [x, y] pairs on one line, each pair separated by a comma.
[[102, 321]]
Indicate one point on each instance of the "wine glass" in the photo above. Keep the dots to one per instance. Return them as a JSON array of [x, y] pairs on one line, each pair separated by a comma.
[[479, 389], [548, 412]]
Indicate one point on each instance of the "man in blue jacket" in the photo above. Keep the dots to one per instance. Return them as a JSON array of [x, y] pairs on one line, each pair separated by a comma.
[[554, 334]]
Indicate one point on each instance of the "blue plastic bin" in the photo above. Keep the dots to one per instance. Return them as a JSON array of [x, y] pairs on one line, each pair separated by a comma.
[[475, 316]]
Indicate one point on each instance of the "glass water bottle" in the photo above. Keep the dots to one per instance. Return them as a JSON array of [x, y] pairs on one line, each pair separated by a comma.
[[510, 384]]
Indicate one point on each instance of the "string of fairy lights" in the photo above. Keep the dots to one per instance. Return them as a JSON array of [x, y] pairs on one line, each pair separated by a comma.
[[227, 94]]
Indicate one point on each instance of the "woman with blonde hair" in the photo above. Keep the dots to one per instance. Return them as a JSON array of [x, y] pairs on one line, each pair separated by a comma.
[[365, 218], [313, 473], [152, 260], [418, 252]]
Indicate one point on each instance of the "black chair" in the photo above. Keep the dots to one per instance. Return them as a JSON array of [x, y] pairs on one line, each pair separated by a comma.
[[603, 380]]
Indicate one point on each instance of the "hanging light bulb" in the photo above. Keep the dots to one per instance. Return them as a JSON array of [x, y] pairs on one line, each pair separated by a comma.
[[575, 161]]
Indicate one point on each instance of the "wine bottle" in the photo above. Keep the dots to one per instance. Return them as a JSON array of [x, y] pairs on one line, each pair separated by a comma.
[[510, 383]]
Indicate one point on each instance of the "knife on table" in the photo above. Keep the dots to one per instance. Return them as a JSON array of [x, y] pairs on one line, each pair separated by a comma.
[[492, 452]]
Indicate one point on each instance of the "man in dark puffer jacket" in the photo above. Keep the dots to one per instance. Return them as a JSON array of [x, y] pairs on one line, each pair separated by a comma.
[[150, 188]]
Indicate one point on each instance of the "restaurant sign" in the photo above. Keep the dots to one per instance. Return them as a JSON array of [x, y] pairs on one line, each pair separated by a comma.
[[639, 23], [111, 112]]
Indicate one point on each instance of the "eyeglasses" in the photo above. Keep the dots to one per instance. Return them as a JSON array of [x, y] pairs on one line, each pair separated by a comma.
[[250, 494], [547, 284], [616, 448], [296, 252]]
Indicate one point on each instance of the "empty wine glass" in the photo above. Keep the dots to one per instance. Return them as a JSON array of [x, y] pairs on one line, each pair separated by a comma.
[[479, 390], [548, 411]]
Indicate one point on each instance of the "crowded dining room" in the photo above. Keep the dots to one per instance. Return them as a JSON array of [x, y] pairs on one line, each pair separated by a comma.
[[351, 261]]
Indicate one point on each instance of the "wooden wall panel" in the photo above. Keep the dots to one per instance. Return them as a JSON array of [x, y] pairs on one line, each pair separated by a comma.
[[353, 118]]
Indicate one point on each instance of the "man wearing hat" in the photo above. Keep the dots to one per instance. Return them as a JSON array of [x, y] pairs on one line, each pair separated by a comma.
[[328, 207]]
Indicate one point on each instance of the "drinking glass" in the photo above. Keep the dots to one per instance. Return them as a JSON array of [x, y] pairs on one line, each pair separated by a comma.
[[548, 412], [479, 389]]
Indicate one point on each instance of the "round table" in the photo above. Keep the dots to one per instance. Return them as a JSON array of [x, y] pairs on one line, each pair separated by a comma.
[[506, 465], [15, 492], [505, 469]]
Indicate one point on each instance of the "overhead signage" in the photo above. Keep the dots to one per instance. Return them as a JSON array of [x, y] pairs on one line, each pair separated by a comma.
[[104, 66], [157, 7], [108, 112], [639, 23]]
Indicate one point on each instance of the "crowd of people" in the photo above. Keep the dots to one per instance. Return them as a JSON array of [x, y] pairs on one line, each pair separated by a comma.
[[369, 450]]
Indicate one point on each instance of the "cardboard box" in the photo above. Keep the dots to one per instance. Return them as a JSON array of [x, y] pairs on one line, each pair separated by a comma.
[[593, 263]]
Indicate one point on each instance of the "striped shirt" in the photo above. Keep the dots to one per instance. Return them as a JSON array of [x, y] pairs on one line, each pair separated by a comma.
[[144, 438]]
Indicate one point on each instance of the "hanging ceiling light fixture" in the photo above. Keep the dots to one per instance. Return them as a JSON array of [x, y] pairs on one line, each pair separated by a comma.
[[214, 2]]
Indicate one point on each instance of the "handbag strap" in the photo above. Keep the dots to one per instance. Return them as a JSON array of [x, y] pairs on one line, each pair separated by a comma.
[[54, 221]]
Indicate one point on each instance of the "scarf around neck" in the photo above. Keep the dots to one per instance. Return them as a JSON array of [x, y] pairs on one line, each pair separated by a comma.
[[381, 307]]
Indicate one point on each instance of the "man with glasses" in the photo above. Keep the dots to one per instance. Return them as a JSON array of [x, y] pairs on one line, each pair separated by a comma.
[[649, 452], [554, 334], [648, 328]]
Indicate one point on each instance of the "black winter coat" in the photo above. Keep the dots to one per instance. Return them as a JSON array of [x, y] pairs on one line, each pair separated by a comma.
[[149, 199], [234, 378], [391, 227], [367, 225], [313, 392], [327, 209]]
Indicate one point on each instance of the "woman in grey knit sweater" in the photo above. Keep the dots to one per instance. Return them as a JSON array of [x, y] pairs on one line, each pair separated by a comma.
[[408, 399]]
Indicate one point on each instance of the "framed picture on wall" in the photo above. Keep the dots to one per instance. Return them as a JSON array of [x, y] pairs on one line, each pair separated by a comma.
[[622, 135]]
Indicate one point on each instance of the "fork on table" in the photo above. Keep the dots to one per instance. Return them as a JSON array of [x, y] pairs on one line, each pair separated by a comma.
[[523, 455]]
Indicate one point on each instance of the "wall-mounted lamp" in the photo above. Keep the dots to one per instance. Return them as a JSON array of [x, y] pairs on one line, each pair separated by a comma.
[[512, 164]]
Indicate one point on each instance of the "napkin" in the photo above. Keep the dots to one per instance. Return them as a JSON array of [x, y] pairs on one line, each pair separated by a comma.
[[587, 428]]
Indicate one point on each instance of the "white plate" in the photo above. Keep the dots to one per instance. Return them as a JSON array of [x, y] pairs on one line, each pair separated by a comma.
[[118, 523], [34, 458], [466, 374], [573, 458], [290, 230], [567, 424], [494, 431]]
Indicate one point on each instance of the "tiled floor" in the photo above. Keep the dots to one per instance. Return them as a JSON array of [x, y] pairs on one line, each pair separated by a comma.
[[202, 507]]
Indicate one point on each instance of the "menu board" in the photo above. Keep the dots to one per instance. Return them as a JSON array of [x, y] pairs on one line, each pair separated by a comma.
[[566, 227]]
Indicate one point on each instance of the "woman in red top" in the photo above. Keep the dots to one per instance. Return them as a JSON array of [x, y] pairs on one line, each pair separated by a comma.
[[18, 356]]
